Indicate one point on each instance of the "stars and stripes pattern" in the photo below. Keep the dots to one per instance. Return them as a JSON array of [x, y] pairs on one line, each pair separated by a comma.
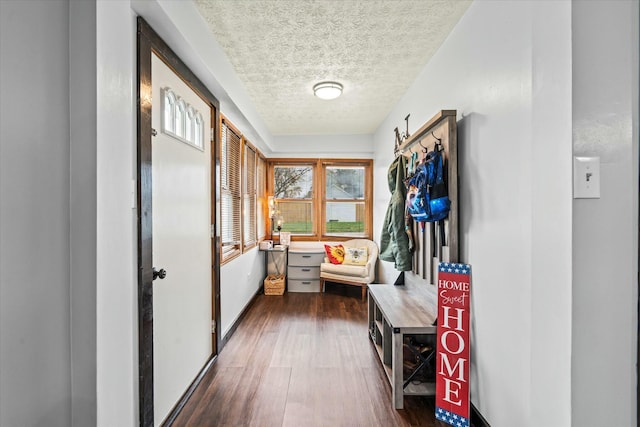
[[452, 267], [451, 418]]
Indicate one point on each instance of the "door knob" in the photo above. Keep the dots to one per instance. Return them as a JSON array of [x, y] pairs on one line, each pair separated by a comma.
[[159, 274]]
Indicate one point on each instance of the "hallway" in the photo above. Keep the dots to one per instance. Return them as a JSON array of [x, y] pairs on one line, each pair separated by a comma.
[[301, 359]]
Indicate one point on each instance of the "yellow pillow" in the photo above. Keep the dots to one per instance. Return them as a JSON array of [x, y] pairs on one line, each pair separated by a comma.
[[355, 256]]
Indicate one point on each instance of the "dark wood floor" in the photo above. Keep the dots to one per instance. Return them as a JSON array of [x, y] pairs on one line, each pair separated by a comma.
[[301, 360]]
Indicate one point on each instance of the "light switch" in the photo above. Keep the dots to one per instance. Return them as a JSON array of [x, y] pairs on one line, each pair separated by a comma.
[[586, 177]]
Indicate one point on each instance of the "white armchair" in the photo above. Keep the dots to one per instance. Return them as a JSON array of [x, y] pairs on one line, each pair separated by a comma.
[[357, 275]]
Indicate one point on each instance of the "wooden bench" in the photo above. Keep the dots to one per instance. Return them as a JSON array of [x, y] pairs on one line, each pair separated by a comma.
[[396, 311]]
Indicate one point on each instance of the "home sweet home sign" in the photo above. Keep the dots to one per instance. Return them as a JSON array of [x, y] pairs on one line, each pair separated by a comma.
[[452, 360]]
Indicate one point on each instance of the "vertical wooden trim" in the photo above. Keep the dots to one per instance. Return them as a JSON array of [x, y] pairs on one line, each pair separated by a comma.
[[218, 175], [145, 237], [215, 240], [262, 196], [368, 199], [452, 163], [320, 198], [241, 172]]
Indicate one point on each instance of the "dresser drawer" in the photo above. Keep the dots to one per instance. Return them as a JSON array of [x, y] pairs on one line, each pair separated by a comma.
[[295, 272], [298, 285], [306, 258]]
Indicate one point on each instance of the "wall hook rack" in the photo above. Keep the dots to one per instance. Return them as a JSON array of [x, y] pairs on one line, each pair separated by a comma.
[[401, 137], [431, 246]]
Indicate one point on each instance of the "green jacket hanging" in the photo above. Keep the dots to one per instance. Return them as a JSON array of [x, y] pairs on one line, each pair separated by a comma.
[[394, 241]]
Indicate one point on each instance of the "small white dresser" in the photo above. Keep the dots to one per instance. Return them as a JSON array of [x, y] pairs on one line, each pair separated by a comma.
[[303, 269]]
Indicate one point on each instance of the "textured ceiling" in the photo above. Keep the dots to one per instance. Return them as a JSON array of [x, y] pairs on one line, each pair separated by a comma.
[[281, 48]]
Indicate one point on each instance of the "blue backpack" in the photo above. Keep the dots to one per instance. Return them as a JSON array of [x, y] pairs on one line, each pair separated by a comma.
[[427, 197]]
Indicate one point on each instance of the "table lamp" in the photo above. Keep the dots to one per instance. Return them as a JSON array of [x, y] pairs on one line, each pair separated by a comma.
[[279, 221]]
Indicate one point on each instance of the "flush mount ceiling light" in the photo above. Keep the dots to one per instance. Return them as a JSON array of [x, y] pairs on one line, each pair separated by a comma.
[[327, 90]]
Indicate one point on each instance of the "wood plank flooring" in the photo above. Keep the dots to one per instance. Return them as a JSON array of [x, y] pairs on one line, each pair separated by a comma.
[[301, 360]]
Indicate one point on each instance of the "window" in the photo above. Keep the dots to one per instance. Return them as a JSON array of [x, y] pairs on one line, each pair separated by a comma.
[[179, 118], [323, 198], [261, 188], [181, 121], [199, 131], [190, 124], [344, 210], [243, 197], [293, 191], [249, 194], [230, 201], [168, 108]]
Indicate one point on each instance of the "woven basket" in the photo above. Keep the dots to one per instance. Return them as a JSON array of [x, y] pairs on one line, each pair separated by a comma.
[[274, 284]]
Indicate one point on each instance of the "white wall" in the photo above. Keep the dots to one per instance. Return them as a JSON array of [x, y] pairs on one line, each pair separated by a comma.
[[506, 69], [116, 279], [549, 166], [82, 220], [35, 342], [605, 256], [323, 146], [240, 280], [68, 333]]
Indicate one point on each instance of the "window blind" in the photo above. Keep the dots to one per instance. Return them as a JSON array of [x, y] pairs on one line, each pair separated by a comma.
[[249, 196], [261, 188], [230, 203]]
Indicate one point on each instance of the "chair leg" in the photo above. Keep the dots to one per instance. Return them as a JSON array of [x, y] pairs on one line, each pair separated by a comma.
[[364, 292], [322, 285]]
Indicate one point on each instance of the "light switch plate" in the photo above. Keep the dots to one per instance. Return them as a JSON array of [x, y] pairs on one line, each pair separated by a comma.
[[586, 177]]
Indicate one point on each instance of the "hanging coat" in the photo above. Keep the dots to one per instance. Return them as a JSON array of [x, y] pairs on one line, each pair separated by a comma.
[[394, 241]]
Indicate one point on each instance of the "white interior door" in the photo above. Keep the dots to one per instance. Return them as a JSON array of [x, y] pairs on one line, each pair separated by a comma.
[[181, 181]]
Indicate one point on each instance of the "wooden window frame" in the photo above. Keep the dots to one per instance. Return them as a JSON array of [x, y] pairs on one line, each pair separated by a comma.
[[272, 163], [236, 249], [368, 196], [261, 196], [319, 194], [245, 243], [249, 191]]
